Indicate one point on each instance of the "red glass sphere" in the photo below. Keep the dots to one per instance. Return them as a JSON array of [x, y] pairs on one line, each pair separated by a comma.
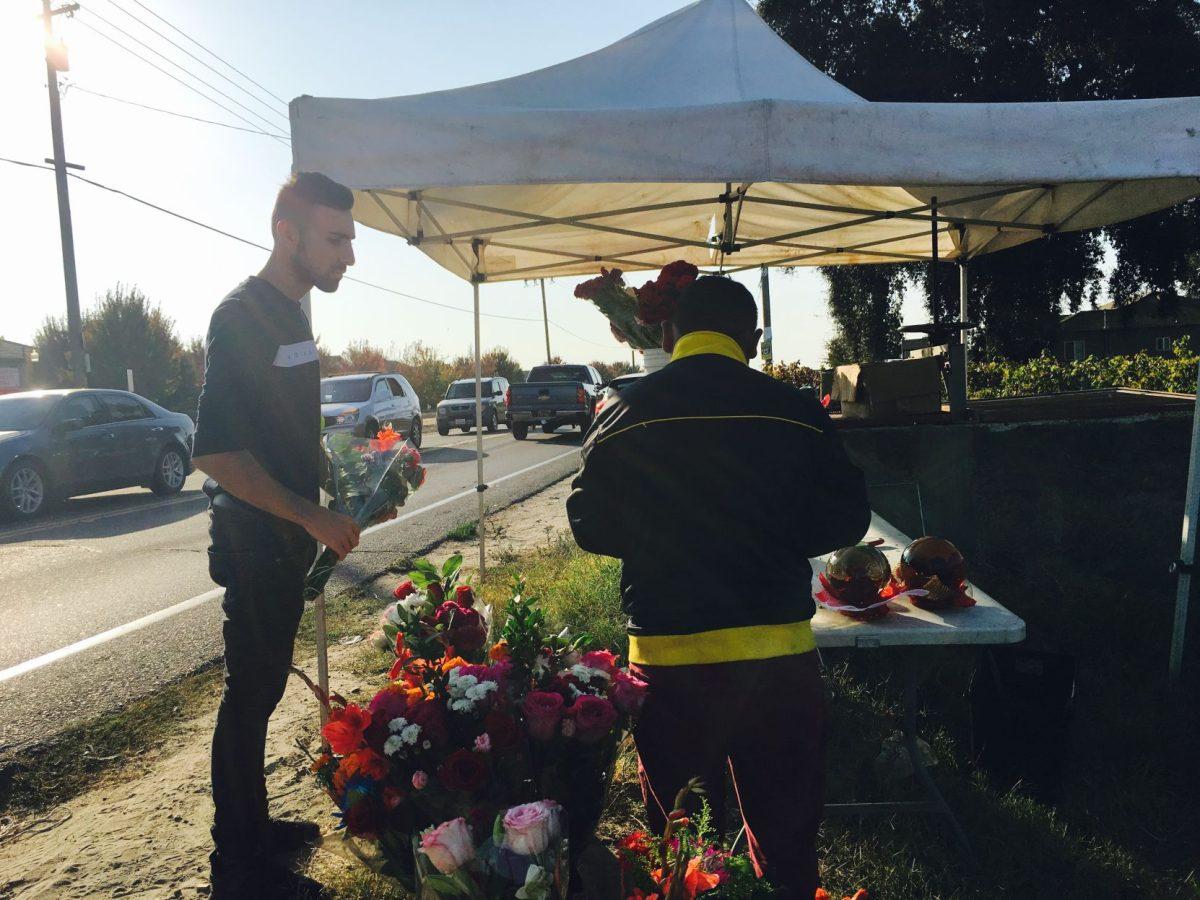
[[857, 574]]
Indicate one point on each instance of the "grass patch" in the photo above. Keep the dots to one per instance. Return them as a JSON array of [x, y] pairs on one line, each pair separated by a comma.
[[463, 531], [110, 749]]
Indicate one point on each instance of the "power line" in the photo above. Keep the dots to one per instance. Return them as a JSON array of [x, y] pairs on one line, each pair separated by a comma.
[[578, 338], [189, 53], [208, 51], [223, 233], [169, 112], [279, 137], [182, 68]]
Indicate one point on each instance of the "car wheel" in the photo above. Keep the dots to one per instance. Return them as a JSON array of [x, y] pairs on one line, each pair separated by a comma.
[[549, 427], [519, 430], [25, 490], [466, 428], [170, 472], [491, 423], [443, 430], [414, 433]]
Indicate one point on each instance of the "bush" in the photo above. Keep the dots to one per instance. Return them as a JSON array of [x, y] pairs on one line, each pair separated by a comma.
[[795, 374]]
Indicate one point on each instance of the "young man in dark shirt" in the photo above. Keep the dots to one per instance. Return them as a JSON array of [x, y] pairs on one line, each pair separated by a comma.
[[258, 438], [714, 485]]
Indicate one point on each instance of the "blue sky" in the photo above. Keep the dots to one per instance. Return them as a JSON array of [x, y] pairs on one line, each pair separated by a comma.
[[227, 178]]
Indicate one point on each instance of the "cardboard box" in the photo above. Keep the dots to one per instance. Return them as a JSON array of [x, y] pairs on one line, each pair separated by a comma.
[[903, 387]]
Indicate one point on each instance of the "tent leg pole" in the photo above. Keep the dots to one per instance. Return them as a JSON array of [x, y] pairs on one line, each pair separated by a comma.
[[957, 388], [768, 350], [1187, 550], [480, 485]]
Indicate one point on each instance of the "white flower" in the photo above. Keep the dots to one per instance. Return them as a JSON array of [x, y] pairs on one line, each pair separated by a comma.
[[393, 745], [413, 603], [586, 673], [392, 615], [467, 690]]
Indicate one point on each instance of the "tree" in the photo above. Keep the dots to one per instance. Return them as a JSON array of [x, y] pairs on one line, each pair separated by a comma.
[[427, 371], [865, 306], [363, 356], [932, 50], [609, 371]]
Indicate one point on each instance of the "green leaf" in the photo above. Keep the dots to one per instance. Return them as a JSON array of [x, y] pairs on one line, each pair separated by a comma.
[[452, 565]]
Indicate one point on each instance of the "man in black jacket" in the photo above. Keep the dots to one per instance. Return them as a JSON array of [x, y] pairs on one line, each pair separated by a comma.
[[714, 484]]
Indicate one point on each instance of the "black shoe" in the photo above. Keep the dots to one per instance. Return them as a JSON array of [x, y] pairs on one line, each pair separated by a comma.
[[285, 836], [259, 878]]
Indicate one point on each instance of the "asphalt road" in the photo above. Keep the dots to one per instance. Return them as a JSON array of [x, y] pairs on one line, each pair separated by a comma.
[[128, 570]]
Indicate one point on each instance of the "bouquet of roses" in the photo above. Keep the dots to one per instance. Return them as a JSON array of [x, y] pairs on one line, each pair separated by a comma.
[[685, 861], [537, 718], [368, 479], [619, 305], [433, 611], [637, 314], [523, 855]]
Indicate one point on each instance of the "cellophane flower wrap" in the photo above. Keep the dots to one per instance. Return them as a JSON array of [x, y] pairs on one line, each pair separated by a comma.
[[476, 718], [367, 479]]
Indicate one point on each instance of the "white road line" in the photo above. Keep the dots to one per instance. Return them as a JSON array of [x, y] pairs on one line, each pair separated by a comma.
[[103, 637]]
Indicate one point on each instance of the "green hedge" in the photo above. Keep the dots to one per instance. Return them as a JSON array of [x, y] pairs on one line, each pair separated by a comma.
[[990, 379]]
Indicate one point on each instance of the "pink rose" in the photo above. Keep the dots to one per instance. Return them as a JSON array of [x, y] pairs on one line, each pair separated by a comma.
[[449, 846], [542, 711], [529, 828], [603, 660], [483, 743], [628, 692], [419, 780], [594, 717]]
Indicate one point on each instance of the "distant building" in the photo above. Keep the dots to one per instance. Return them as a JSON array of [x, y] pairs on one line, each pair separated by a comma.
[[16, 366], [1152, 323]]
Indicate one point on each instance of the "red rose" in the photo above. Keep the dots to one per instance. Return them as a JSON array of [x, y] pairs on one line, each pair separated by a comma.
[[627, 692], [464, 596], [364, 819], [542, 711], [435, 592], [594, 717], [503, 732], [403, 589], [463, 770], [464, 627], [345, 728], [593, 287], [432, 719], [604, 660]]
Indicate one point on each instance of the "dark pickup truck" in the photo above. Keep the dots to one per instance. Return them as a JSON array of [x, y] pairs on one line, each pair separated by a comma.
[[553, 396]]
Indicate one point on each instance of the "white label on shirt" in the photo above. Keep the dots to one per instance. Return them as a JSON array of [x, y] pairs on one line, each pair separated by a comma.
[[289, 355]]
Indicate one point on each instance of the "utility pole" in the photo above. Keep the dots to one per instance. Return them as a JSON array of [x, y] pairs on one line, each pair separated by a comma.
[[765, 284], [545, 319], [56, 61]]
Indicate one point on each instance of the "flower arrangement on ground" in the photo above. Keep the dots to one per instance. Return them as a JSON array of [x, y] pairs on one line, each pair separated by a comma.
[[467, 734], [368, 479], [636, 315], [686, 861]]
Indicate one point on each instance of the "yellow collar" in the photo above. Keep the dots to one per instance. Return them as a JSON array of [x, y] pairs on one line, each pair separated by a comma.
[[699, 342]]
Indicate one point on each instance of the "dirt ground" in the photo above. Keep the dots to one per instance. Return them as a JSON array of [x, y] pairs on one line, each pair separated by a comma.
[[148, 836]]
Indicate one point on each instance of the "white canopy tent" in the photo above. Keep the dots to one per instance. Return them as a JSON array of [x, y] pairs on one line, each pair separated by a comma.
[[703, 136]]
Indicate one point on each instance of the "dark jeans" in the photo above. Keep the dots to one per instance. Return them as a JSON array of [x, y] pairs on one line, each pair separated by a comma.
[[261, 562], [764, 721]]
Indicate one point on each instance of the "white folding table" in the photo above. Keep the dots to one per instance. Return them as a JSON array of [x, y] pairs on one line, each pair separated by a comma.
[[906, 630]]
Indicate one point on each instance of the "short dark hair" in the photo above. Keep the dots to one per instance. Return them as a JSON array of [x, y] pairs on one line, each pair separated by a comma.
[[716, 303], [303, 191]]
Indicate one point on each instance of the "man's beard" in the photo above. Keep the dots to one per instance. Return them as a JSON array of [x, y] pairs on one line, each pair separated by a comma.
[[323, 281]]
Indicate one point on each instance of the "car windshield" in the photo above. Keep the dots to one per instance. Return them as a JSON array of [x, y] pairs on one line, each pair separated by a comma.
[[25, 413], [626, 381], [345, 390], [559, 373], [461, 390]]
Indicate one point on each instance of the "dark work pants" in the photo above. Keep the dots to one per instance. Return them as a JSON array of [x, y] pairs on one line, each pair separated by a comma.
[[764, 721], [261, 563]]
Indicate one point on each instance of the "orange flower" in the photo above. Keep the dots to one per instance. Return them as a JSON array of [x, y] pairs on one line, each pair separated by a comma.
[[345, 728], [695, 880], [499, 651], [385, 440], [363, 762], [453, 663], [321, 762], [822, 894]]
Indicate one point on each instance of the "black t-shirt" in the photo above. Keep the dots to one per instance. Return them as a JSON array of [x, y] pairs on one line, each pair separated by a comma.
[[262, 386]]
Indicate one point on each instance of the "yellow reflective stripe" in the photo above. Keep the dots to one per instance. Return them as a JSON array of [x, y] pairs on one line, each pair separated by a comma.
[[601, 440], [697, 343], [723, 645]]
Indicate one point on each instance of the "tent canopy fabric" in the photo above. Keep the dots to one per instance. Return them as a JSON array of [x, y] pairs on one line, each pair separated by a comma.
[[704, 136]]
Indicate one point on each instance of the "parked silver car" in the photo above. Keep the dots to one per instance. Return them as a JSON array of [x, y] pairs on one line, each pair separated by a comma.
[[371, 401]]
